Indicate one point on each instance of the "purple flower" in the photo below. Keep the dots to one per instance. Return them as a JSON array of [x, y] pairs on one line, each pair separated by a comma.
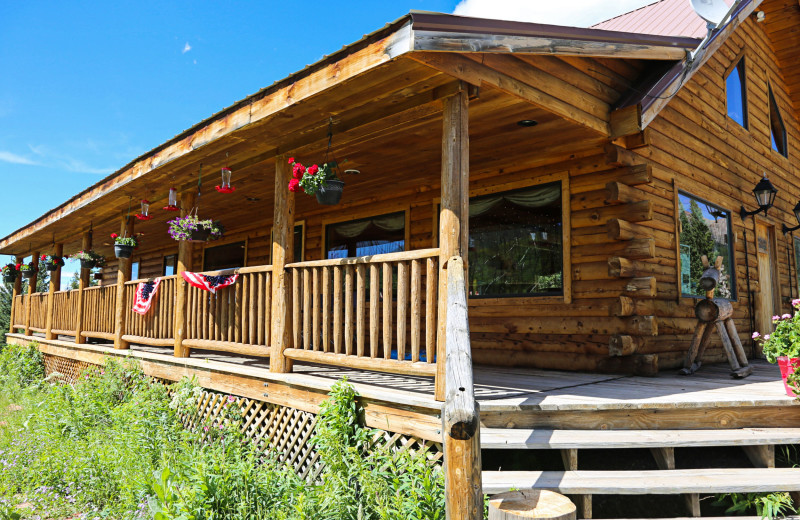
[[756, 335], [786, 316]]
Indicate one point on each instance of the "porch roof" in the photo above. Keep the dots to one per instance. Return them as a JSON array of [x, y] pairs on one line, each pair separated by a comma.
[[275, 120]]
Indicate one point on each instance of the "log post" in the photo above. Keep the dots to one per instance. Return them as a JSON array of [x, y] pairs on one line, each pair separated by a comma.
[[531, 503], [454, 208], [282, 251], [31, 289], [86, 245], [123, 275], [16, 291], [184, 263], [55, 285], [460, 413]]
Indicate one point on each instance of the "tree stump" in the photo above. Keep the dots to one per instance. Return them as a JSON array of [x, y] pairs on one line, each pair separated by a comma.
[[533, 503]]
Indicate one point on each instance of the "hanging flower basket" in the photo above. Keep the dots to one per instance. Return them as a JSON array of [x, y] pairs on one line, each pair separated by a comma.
[[10, 272], [124, 246], [123, 251], [89, 259], [321, 181], [330, 193], [97, 276], [193, 229], [10, 277], [52, 262], [29, 270], [88, 264]]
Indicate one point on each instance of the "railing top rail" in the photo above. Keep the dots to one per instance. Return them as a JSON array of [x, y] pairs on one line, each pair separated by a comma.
[[240, 270], [140, 280], [373, 259], [67, 291], [98, 287]]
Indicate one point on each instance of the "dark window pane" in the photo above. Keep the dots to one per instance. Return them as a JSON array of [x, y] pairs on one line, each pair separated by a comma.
[[705, 230], [224, 257], [515, 243], [777, 128], [736, 94], [366, 237], [298, 244]]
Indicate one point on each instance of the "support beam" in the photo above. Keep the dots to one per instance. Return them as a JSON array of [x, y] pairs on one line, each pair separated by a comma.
[[16, 291], [55, 285], [282, 251], [188, 199], [31, 290], [454, 212], [123, 275], [86, 245]]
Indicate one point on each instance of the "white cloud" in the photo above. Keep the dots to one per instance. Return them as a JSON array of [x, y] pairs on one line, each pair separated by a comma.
[[186, 48], [15, 159], [574, 13], [52, 159]]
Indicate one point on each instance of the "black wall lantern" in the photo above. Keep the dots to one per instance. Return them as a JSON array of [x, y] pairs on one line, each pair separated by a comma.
[[796, 211], [765, 196]]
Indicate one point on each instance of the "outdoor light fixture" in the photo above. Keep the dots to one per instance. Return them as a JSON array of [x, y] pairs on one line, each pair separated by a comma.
[[172, 202], [796, 211], [765, 196], [145, 213], [527, 122]]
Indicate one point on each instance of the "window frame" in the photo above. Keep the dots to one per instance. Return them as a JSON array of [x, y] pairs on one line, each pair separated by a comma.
[[226, 241], [566, 237], [363, 215], [297, 223], [731, 246], [740, 59], [784, 143], [164, 264]]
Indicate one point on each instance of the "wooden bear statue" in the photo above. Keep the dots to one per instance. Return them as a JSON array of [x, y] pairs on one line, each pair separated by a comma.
[[715, 313]]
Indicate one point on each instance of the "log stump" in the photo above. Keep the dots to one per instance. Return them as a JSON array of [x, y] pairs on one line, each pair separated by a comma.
[[532, 503]]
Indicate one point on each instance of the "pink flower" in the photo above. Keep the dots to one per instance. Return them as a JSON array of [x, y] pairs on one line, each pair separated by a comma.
[[766, 337], [796, 303], [756, 335], [205, 428], [786, 316], [231, 399], [776, 318]]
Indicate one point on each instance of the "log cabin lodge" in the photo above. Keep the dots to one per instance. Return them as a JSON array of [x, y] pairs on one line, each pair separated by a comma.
[[578, 174]]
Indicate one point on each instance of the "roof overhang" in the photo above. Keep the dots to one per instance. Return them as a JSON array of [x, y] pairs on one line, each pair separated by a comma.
[[415, 32]]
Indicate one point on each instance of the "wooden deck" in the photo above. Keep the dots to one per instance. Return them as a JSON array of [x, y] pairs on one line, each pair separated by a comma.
[[528, 398]]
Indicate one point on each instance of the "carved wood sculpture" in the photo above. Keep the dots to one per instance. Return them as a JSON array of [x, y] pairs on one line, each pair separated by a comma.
[[715, 313]]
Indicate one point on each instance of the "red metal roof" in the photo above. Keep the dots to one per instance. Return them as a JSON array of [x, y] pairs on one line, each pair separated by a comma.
[[664, 17]]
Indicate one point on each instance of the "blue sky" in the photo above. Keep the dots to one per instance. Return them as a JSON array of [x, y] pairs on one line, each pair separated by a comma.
[[90, 86]]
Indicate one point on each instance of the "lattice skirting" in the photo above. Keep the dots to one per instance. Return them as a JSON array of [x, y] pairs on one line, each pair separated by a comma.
[[67, 370], [283, 431]]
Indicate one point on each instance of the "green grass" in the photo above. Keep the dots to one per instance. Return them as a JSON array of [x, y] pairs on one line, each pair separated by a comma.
[[112, 446]]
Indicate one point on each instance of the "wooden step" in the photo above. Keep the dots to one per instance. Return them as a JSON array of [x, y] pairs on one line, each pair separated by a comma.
[[539, 439], [653, 482]]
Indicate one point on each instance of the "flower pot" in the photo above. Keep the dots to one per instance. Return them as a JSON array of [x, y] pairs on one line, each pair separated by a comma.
[[97, 276], [10, 276], [51, 266], [88, 264], [331, 193], [29, 274], [200, 235], [123, 251], [788, 366]]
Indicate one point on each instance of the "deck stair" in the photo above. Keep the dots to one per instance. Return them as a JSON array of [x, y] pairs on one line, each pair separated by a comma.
[[758, 445]]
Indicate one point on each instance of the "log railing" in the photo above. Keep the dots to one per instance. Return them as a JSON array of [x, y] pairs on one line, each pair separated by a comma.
[[65, 312], [19, 312], [376, 312], [99, 304], [38, 303], [156, 326], [235, 318], [460, 413]]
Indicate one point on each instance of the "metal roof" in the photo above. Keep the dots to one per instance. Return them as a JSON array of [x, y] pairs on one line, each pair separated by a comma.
[[664, 17]]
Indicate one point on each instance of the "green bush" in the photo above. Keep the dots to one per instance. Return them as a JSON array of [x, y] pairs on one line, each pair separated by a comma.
[[113, 446]]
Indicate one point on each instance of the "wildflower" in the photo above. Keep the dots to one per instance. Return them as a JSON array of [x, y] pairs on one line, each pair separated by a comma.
[[756, 335]]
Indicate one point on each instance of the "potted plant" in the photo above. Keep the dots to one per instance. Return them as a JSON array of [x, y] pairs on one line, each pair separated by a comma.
[[52, 262], [783, 347], [88, 259], [193, 229], [124, 246], [29, 270], [315, 180], [10, 272]]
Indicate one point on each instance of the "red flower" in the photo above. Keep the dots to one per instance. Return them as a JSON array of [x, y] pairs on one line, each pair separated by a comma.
[[114, 235], [294, 185], [313, 169], [298, 171], [42, 257], [291, 160], [18, 266]]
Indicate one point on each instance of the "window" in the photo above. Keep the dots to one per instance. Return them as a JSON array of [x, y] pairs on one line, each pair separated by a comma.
[[224, 257], [737, 94], [705, 229], [170, 265], [367, 236], [776, 127], [134, 270], [515, 243]]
